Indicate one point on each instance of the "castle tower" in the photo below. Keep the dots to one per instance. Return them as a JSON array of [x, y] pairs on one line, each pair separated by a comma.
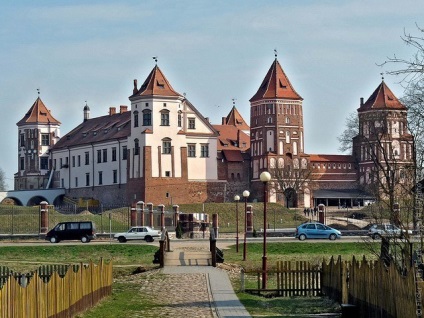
[[38, 131], [384, 147], [168, 135], [276, 125]]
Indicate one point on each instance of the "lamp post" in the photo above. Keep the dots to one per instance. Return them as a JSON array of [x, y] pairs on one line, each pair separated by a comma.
[[265, 177], [245, 195], [237, 199]]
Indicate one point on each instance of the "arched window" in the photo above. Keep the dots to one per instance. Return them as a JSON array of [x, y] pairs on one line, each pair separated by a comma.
[[147, 117], [179, 118], [135, 118]]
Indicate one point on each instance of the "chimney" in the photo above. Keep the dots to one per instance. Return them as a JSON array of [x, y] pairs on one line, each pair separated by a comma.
[[224, 120], [362, 101], [123, 109], [112, 111], [135, 87], [207, 119]]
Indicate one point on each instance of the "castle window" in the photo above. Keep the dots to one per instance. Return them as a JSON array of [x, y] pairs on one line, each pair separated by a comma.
[[269, 120], [76, 182], [73, 161], [87, 158], [22, 163], [99, 156], [191, 150], [179, 119], [100, 177], [124, 152], [204, 150], [135, 119], [136, 147], [113, 153], [164, 117], [147, 117], [166, 146], [115, 176], [104, 155], [287, 120], [45, 139], [191, 123], [232, 176], [168, 174], [22, 140], [87, 179], [44, 163]]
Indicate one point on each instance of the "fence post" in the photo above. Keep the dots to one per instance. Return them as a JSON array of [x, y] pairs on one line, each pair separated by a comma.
[[215, 224], [133, 215], [176, 209], [150, 208], [44, 217], [161, 208], [140, 213], [212, 241], [242, 280]]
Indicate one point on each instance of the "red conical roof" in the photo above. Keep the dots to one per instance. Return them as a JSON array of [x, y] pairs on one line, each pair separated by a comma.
[[276, 85], [38, 113], [156, 84], [382, 98], [234, 118]]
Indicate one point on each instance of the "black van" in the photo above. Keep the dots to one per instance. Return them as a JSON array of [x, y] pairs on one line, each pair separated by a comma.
[[84, 231]]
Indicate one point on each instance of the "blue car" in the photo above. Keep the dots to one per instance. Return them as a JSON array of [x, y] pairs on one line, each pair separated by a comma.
[[315, 230]]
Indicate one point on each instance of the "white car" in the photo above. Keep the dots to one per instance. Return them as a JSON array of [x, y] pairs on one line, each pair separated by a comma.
[[378, 230], [138, 233]]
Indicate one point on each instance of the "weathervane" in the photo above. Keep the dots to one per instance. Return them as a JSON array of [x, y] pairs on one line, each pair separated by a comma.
[[38, 91], [275, 53], [155, 58], [234, 101], [382, 77]]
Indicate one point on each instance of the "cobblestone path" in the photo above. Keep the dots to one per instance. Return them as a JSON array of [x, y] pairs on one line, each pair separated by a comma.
[[171, 295]]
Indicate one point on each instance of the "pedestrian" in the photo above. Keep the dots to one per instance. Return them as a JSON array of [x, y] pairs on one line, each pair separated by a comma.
[[304, 211]]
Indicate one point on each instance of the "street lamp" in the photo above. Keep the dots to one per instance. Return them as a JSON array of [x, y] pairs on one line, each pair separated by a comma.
[[237, 199], [265, 177], [245, 195]]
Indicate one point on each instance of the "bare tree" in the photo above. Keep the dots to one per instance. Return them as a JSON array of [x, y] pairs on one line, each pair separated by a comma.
[[351, 130], [2, 180], [411, 69]]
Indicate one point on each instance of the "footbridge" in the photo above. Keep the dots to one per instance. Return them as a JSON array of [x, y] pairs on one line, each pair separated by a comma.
[[32, 197]]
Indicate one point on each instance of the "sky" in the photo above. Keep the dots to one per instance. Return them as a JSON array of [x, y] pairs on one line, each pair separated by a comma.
[[213, 51]]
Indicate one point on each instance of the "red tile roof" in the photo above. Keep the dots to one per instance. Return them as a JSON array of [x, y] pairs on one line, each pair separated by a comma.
[[382, 98], [155, 84], [230, 137], [99, 129], [276, 85], [332, 158], [232, 155], [38, 113]]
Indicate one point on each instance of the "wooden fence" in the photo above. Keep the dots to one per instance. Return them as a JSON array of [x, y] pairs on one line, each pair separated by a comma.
[[298, 278], [374, 289], [59, 295]]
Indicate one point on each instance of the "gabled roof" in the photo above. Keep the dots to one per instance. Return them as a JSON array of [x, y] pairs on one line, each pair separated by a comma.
[[38, 113], [382, 98], [232, 155], [230, 137], [276, 85], [234, 118], [155, 84], [331, 158], [99, 129]]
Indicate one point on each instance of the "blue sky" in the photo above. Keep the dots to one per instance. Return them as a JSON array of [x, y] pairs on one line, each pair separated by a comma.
[[77, 51]]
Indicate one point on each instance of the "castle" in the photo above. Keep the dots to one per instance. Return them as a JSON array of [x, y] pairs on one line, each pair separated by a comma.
[[162, 150]]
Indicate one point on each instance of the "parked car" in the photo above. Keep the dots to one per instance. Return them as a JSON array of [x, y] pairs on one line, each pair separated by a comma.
[[386, 229], [315, 230], [84, 231], [138, 233]]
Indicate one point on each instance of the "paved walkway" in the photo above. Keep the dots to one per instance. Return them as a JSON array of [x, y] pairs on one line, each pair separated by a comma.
[[223, 300]]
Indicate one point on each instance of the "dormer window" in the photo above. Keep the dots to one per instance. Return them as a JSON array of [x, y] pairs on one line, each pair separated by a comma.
[[160, 84]]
